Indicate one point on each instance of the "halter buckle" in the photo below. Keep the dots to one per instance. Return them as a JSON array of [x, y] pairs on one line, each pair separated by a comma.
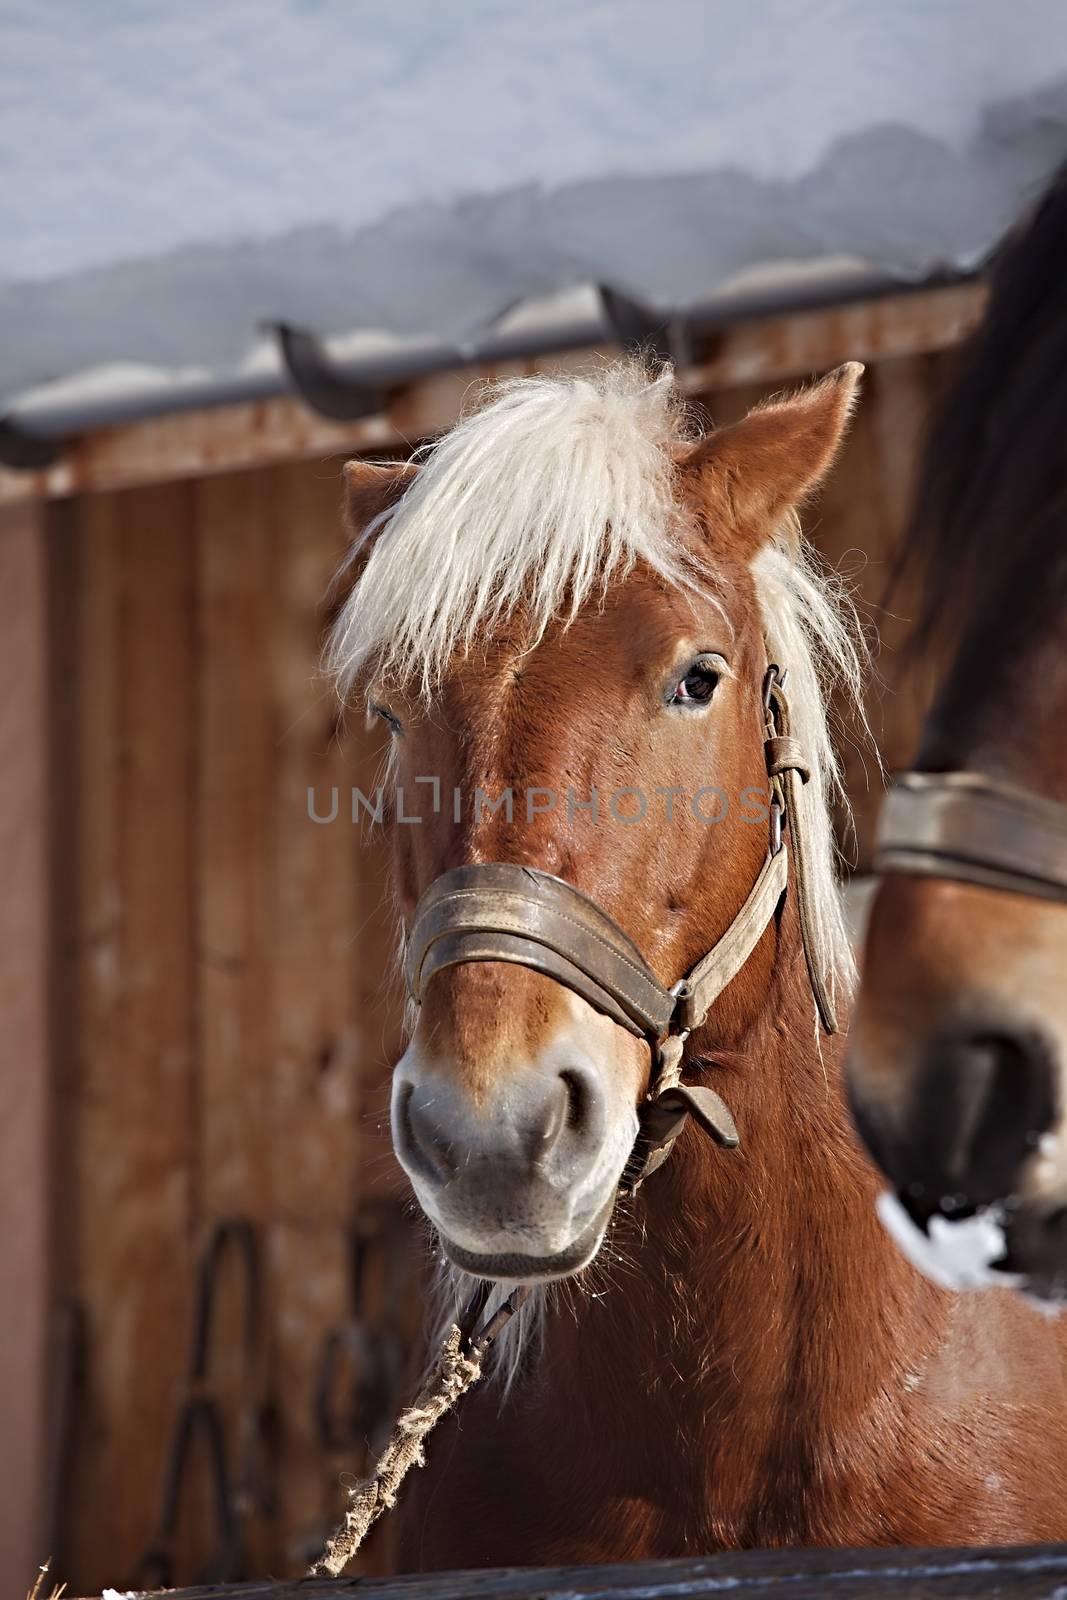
[[776, 826]]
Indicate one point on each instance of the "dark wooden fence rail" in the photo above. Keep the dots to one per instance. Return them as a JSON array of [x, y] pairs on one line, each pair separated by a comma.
[[1038, 1572]]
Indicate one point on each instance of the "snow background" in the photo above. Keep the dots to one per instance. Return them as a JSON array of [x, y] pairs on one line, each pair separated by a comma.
[[172, 173]]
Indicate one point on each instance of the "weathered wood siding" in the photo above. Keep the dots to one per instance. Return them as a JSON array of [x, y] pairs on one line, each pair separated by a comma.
[[233, 1012], [25, 1080], [231, 1041]]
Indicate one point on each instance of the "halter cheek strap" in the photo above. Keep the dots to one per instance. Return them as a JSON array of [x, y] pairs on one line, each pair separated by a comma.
[[788, 768]]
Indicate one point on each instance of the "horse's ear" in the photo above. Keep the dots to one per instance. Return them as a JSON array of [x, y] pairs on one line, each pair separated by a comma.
[[755, 470], [371, 489], [368, 491]]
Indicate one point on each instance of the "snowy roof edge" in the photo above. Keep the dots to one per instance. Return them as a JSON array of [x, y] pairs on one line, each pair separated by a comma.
[[324, 371]]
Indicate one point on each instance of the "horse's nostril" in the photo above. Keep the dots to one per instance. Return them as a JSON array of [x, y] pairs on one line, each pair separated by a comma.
[[421, 1137], [566, 1125], [577, 1101], [987, 1096], [542, 1126]]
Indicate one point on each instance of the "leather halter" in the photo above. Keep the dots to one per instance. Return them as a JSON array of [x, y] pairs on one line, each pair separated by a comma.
[[500, 911], [972, 829]]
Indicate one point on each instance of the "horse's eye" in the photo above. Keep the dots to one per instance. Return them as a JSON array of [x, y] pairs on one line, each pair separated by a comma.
[[697, 687], [393, 723]]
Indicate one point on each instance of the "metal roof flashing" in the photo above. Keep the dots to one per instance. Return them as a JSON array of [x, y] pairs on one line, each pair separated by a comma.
[[348, 375]]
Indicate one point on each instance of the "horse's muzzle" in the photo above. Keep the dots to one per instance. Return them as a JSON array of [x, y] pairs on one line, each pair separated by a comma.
[[520, 1181], [976, 1108]]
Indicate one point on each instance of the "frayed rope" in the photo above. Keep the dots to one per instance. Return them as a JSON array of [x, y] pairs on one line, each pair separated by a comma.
[[453, 1374]]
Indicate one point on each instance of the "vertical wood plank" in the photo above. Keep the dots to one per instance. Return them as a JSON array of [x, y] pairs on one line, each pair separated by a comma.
[[234, 524], [98, 965], [132, 1154], [25, 1085], [852, 524], [315, 1142], [857, 526], [908, 389], [375, 974], [235, 518], [315, 907]]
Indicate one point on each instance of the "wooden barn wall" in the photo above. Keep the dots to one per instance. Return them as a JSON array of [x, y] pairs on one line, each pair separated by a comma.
[[231, 980], [233, 1010]]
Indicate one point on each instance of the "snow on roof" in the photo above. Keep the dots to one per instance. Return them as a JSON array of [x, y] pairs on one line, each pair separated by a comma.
[[402, 179]]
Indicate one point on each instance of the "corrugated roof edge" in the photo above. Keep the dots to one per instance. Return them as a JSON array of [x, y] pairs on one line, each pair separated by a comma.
[[31, 434]]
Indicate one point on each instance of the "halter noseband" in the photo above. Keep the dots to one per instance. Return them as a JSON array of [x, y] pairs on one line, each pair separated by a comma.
[[972, 829], [500, 911]]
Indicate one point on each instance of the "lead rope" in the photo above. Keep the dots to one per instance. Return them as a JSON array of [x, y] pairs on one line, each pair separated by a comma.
[[458, 1367]]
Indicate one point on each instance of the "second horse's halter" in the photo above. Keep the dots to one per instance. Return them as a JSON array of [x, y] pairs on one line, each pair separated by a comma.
[[972, 829]]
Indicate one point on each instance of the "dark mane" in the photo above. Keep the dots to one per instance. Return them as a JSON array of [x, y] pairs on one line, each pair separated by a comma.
[[989, 527]]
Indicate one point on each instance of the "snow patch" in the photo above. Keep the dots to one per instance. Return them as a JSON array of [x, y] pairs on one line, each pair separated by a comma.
[[1047, 1163], [1050, 1309], [957, 1253]]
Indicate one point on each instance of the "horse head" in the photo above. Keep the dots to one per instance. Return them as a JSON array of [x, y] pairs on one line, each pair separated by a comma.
[[564, 615]]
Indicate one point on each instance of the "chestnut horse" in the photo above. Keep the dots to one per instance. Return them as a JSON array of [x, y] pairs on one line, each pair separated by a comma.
[[959, 1057], [574, 602]]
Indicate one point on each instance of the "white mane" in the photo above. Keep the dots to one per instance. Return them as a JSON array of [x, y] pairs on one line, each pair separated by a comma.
[[545, 497]]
